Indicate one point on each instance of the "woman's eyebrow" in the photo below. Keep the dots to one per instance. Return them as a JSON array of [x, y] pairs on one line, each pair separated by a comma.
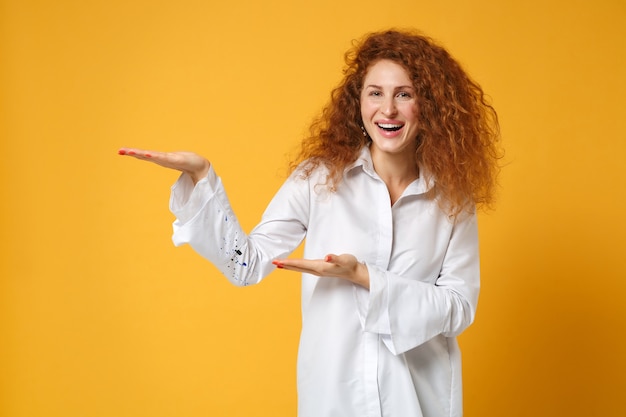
[[399, 87]]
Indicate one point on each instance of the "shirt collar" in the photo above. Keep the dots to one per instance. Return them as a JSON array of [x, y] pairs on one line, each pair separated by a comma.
[[364, 160]]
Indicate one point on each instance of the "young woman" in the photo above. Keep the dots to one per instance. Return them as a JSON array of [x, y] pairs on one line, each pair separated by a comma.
[[384, 191]]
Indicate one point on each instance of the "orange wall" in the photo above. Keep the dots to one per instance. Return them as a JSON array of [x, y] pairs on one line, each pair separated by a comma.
[[101, 316]]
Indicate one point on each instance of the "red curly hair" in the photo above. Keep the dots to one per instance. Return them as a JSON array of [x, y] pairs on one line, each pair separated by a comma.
[[458, 130]]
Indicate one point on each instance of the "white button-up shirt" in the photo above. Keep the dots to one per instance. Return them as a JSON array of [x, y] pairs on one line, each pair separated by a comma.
[[388, 351]]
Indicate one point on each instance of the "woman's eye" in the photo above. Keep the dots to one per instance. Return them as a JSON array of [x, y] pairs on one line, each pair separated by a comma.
[[404, 94], [375, 93]]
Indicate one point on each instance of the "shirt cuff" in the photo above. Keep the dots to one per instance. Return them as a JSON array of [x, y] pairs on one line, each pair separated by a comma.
[[373, 306], [186, 200]]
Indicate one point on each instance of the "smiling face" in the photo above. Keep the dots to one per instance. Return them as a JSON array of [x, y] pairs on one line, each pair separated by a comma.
[[389, 109]]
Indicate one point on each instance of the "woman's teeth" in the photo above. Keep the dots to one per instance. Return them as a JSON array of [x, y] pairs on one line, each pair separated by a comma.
[[389, 127]]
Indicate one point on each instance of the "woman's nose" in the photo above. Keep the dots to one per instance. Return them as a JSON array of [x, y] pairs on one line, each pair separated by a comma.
[[388, 107]]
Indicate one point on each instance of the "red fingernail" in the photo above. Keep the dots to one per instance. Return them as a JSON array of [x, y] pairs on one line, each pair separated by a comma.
[[121, 152], [148, 155], [131, 153]]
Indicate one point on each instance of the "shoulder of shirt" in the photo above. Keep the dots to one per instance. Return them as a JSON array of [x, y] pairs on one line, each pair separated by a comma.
[[321, 171]]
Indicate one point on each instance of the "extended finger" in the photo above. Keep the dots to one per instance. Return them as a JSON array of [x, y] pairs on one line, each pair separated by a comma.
[[300, 265], [137, 153], [165, 159]]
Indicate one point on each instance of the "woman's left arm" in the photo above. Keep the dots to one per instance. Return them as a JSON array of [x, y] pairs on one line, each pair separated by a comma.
[[405, 311], [408, 312]]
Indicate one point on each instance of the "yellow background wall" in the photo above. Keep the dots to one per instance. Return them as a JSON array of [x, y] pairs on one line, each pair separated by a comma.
[[101, 316]]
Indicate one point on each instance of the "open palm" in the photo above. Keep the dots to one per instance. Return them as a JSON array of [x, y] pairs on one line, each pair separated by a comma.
[[190, 163]]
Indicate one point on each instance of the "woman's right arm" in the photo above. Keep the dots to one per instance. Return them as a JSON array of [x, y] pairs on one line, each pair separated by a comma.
[[205, 219]]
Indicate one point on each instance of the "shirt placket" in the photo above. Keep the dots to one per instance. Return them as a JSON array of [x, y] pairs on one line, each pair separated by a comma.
[[372, 341], [372, 393]]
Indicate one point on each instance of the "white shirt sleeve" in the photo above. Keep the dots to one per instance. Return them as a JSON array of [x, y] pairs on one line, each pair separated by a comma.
[[206, 221], [407, 312]]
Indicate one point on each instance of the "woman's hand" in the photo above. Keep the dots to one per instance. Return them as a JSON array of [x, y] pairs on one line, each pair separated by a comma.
[[196, 166], [338, 266]]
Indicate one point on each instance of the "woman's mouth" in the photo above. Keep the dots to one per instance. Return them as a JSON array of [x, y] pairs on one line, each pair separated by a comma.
[[390, 127]]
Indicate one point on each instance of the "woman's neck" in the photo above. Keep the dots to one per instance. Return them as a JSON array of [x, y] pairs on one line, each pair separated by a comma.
[[396, 170]]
